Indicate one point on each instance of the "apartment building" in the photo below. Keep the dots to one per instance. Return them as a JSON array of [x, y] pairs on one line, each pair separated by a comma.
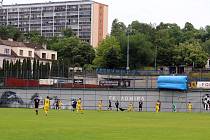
[[88, 19], [12, 51]]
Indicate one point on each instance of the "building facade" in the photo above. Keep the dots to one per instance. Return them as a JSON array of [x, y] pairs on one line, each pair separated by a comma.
[[13, 51], [88, 19]]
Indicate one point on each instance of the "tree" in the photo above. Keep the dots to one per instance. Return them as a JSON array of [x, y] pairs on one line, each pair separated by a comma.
[[141, 51], [10, 32], [3, 32], [54, 69], [83, 54], [190, 54], [38, 69], [68, 32], [34, 69], [190, 34], [72, 50], [166, 38], [4, 68], [28, 67], [24, 69], [7, 68], [112, 58], [47, 69], [206, 46], [18, 68], [35, 38], [118, 29], [103, 51], [143, 28], [12, 69]]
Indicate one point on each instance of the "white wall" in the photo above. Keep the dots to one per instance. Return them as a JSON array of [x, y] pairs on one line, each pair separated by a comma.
[[3, 47], [25, 51], [48, 53]]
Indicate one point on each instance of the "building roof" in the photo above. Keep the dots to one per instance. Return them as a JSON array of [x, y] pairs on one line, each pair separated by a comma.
[[47, 3], [20, 44], [12, 43], [34, 46], [13, 54]]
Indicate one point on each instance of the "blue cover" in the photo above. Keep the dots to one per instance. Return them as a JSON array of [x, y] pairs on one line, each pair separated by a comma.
[[172, 82]]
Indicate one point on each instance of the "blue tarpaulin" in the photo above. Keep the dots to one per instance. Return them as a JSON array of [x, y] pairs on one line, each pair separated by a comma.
[[172, 82]]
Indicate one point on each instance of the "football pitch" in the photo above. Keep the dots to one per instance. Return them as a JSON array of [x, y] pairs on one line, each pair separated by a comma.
[[20, 124]]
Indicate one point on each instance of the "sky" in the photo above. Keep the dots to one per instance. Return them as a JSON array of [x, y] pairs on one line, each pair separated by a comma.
[[196, 12]]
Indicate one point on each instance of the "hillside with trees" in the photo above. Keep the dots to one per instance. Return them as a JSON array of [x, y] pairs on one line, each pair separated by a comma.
[[150, 45]]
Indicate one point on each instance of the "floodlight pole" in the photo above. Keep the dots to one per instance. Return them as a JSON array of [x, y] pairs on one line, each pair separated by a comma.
[[128, 47], [156, 57]]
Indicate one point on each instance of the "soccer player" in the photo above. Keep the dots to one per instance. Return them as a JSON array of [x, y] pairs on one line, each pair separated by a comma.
[[36, 103], [189, 107], [46, 105], [79, 105], [157, 106], [117, 105], [140, 105], [74, 105], [130, 107], [173, 107], [100, 105], [110, 105], [56, 104], [60, 104]]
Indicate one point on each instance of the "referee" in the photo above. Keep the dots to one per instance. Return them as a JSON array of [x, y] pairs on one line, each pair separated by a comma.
[[36, 103]]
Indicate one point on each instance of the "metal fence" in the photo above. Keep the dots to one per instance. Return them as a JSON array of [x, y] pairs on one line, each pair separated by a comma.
[[101, 78], [124, 86]]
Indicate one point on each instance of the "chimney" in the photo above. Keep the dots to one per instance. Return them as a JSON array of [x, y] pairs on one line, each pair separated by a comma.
[[44, 46]]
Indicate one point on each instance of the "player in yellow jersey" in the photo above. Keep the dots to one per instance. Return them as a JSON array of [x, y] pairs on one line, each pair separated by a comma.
[[189, 106], [79, 105], [157, 106], [60, 104], [100, 105], [130, 107], [46, 105]]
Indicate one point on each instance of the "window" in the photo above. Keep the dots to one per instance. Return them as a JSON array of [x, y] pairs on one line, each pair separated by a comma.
[[21, 52], [30, 53], [6, 51], [44, 55], [53, 57]]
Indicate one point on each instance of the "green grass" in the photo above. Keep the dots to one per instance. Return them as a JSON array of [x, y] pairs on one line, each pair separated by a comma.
[[23, 124]]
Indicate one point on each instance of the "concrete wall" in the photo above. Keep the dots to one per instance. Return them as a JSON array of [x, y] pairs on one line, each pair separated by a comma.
[[90, 98]]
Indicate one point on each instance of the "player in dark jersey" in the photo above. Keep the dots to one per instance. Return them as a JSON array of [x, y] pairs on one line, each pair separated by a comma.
[[110, 105], [36, 103]]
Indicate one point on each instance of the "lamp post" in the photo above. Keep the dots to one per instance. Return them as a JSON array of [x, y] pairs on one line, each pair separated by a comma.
[[156, 57], [128, 48]]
